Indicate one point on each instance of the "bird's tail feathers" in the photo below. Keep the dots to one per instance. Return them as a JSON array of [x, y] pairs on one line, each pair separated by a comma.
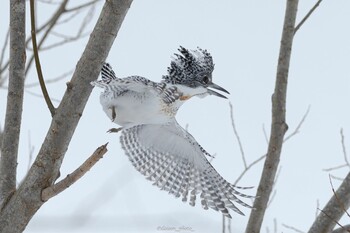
[[107, 73]]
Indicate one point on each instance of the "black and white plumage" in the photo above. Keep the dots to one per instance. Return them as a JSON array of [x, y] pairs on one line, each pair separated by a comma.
[[157, 146]]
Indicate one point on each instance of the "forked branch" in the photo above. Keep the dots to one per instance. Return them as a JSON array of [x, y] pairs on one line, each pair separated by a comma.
[[74, 176]]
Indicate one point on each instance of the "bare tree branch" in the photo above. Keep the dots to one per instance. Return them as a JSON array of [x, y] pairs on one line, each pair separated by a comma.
[[296, 131], [274, 187], [292, 228], [344, 148], [9, 148], [37, 61], [307, 16], [237, 136], [317, 208], [335, 168], [82, 6], [265, 134], [343, 229], [347, 164], [65, 41], [40, 96], [74, 176], [275, 225], [50, 24], [334, 209], [27, 200], [53, 80], [31, 151], [3, 50], [249, 167], [278, 125], [80, 33]]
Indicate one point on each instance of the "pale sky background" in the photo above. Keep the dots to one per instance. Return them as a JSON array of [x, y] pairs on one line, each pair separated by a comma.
[[243, 38]]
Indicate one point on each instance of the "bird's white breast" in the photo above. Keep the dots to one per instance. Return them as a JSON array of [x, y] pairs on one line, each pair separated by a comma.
[[134, 108]]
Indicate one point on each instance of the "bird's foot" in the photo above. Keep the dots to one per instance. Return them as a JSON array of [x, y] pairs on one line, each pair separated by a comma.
[[114, 130]]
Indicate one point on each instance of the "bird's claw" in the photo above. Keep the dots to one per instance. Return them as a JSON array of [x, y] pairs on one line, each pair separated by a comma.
[[114, 130], [113, 113]]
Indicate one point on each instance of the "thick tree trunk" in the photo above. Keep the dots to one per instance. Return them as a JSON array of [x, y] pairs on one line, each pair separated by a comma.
[[16, 214]]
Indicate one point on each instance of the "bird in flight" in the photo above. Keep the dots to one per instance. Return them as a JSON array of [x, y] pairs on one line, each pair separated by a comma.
[[157, 146]]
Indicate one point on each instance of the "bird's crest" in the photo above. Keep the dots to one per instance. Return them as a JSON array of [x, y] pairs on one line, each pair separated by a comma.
[[188, 65]]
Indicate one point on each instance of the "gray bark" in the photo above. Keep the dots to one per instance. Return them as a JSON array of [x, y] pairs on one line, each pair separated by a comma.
[[10, 137], [334, 209], [344, 229], [278, 125], [16, 214]]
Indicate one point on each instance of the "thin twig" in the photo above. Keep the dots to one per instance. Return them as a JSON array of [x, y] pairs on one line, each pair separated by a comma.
[[336, 177], [296, 131], [31, 151], [292, 228], [49, 81], [272, 197], [49, 2], [274, 185], [3, 50], [37, 61], [50, 25], [265, 134], [335, 168], [68, 18], [307, 16], [82, 6], [317, 208], [40, 96], [65, 41], [347, 164], [248, 167], [80, 33], [275, 225], [74, 176], [237, 136], [343, 147]]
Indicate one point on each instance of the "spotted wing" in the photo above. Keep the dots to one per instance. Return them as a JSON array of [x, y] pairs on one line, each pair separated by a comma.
[[170, 157], [111, 84]]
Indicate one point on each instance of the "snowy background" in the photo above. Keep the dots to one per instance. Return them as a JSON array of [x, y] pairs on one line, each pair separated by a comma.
[[243, 38]]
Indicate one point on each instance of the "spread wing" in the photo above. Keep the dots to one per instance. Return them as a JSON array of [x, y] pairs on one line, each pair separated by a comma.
[[170, 157]]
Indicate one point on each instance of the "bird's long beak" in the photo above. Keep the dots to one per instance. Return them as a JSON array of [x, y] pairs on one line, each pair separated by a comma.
[[217, 87]]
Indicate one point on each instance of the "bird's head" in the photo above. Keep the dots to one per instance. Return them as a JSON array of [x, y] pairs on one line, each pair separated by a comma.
[[194, 68]]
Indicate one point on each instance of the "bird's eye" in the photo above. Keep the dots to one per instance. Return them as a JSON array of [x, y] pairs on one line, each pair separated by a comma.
[[205, 80]]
